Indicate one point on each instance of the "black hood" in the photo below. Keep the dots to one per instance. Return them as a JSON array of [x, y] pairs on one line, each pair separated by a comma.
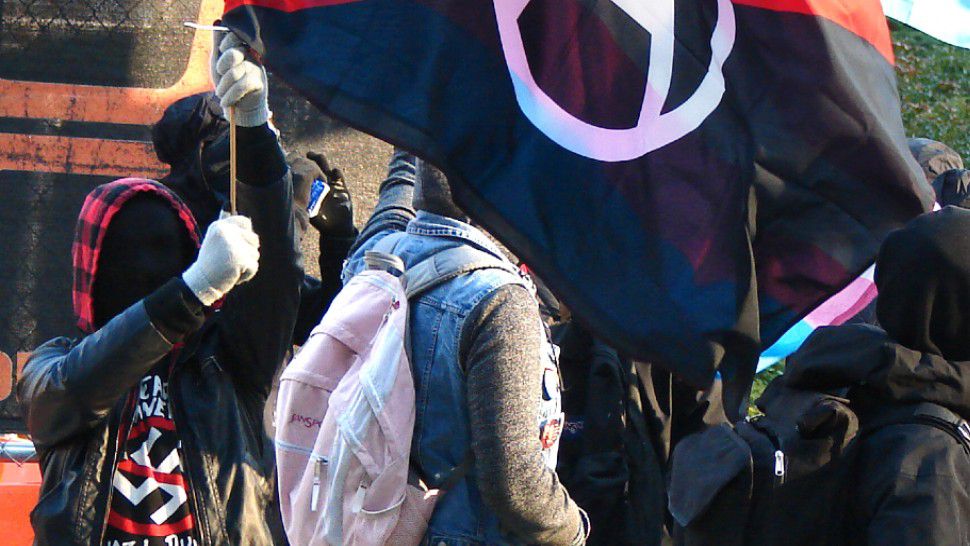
[[192, 138], [880, 369], [953, 188], [923, 277]]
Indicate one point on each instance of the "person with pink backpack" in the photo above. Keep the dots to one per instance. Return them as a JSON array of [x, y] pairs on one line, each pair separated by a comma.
[[425, 407]]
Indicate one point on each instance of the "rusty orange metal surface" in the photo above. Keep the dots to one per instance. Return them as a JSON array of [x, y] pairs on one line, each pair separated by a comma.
[[98, 104], [8, 372], [85, 156], [53, 154], [19, 488]]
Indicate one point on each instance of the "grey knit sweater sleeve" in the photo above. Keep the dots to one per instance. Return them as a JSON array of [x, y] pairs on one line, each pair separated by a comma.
[[500, 351]]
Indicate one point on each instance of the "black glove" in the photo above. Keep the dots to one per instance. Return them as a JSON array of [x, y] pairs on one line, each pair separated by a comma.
[[304, 173], [336, 216]]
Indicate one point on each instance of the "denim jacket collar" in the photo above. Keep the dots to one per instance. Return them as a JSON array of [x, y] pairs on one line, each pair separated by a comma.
[[434, 225]]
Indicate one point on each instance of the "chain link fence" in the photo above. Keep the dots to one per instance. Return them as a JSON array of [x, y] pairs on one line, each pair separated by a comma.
[[125, 43]]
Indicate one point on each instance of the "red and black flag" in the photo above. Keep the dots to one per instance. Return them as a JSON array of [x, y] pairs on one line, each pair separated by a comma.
[[690, 176]]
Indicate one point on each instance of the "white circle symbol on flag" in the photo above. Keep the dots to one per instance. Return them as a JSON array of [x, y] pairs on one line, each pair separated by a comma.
[[653, 129]]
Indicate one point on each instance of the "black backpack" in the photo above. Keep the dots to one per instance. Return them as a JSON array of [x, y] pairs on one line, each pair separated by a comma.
[[608, 464], [782, 478]]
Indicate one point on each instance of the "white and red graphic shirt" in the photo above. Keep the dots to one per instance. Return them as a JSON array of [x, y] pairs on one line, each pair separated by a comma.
[[149, 504]]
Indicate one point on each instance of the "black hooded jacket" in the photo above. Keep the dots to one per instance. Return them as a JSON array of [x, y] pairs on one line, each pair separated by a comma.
[[73, 391], [912, 481]]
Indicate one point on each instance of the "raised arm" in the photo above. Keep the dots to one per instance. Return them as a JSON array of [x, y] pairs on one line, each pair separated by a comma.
[[391, 214], [256, 320]]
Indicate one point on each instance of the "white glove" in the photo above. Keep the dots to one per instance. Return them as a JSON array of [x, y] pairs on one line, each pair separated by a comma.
[[229, 256], [240, 82]]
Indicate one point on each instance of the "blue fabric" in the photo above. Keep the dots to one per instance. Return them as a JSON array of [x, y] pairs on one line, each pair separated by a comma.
[[441, 435]]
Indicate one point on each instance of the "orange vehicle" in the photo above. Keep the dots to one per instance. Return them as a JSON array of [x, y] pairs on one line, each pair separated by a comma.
[[80, 85]]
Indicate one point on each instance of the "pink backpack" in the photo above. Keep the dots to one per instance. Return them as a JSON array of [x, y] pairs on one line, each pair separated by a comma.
[[345, 412]]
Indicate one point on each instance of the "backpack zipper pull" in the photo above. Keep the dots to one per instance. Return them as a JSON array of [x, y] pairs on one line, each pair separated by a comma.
[[315, 490], [779, 463], [358, 502]]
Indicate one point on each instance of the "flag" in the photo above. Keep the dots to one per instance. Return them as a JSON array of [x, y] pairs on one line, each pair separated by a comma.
[[690, 177], [946, 20], [835, 311]]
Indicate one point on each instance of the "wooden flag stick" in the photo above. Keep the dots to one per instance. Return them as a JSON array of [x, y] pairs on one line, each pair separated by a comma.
[[232, 159]]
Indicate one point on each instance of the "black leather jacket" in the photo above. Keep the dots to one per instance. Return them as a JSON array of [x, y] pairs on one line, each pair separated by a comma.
[[73, 393]]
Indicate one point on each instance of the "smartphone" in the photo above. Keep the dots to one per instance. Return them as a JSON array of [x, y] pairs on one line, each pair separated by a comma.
[[318, 192]]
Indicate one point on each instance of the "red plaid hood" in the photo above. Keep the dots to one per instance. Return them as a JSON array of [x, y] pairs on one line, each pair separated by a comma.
[[100, 206]]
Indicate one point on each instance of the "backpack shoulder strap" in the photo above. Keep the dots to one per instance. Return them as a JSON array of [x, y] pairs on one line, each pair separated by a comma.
[[426, 275], [450, 264], [925, 413]]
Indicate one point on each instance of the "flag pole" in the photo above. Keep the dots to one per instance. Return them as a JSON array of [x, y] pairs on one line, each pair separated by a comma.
[[232, 159], [231, 115]]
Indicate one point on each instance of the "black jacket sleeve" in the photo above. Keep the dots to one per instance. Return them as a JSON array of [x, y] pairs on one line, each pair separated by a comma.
[[394, 208], [257, 318], [68, 388]]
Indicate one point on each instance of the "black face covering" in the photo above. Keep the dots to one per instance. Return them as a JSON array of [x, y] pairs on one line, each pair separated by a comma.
[[145, 245], [923, 276]]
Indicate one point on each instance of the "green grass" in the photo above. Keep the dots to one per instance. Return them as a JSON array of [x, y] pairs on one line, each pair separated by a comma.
[[934, 87]]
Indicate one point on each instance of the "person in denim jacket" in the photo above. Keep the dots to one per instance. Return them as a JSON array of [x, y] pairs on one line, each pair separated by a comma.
[[485, 372]]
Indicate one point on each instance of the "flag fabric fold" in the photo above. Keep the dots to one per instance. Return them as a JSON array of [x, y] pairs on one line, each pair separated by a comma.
[[690, 177]]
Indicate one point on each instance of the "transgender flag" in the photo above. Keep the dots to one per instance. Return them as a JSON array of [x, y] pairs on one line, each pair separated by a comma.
[[837, 310]]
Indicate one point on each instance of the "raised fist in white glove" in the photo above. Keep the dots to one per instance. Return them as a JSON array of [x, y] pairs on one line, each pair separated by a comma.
[[239, 81], [229, 256]]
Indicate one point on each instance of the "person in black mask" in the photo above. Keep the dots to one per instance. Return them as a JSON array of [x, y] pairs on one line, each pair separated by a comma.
[[192, 138], [149, 425], [910, 386]]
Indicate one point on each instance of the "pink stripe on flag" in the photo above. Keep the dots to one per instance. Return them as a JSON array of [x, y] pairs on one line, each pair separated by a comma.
[[847, 303]]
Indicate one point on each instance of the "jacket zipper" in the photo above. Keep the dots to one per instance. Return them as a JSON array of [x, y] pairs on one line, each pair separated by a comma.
[[197, 513], [124, 429]]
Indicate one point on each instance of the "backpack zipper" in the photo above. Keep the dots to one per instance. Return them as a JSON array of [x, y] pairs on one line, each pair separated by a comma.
[[961, 434], [780, 466]]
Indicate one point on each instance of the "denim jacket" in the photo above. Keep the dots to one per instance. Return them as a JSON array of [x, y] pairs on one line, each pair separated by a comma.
[[442, 437]]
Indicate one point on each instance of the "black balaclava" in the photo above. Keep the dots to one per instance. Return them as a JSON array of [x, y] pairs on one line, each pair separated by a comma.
[[145, 245], [923, 276], [432, 193], [953, 188]]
